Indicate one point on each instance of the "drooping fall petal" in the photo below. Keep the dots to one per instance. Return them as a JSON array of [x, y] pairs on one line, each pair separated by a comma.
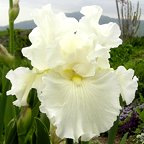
[[23, 80], [81, 106], [128, 83]]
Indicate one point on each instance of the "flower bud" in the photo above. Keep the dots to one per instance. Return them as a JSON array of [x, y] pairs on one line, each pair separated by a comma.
[[24, 121], [14, 11], [5, 56], [15, 2]]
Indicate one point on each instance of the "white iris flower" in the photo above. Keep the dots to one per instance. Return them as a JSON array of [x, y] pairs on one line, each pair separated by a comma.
[[77, 89]]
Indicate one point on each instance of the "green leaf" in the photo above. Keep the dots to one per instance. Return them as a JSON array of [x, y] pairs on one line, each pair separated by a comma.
[[10, 111], [33, 102], [32, 98], [112, 132], [3, 100], [141, 115], [45, 120], [85, 142], [141, 98], [42, 135], [11, 133], [124, 138]]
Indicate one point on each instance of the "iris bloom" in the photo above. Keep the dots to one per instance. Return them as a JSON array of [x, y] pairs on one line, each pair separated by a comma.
[[78, 90]]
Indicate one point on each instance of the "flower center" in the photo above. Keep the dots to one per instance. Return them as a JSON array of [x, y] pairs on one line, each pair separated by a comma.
[[72, 76], [77, 79]]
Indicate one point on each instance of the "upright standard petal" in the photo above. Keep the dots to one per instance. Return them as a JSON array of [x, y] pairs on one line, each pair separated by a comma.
[[106, 35], [44, 51], [92, 12], [80, 106], [74, 52], [80, 54], [37, 53], [109, 35], [51, 24], [128, 83]]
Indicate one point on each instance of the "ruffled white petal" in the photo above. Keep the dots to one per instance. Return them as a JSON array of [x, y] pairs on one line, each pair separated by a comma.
[[44, 52], [85, 69], [37, 53], [107, 35], [101, 57], [80, 54], [74, 51], [35, 35], [93, 12], [23, 80], [51, 24], [128, 83], [81, 107]]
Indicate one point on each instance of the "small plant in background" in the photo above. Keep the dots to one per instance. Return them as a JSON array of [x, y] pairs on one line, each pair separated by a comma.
[[140, 139], [128, 18], [132, 120], [129, 120], [140, 112]]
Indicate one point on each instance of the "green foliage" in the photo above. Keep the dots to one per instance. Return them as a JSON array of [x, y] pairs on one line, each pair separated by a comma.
[[42, 133], [112, 132], [120, 55], [124, 138], [21, 39], [11, 133], [3, 33], [140, 112]]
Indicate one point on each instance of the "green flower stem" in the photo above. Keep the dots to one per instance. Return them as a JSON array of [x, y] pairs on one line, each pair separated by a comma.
[[69, 141], [11, 30], [112, 132], [10, 3], [11, 36], [11, 41]]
